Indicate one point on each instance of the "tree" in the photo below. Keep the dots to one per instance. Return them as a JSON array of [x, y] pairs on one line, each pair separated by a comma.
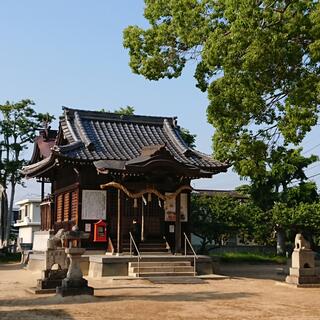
[[188, 138], [216, 218], [301, 218], [257, 60], [128, 111], [18, 126]]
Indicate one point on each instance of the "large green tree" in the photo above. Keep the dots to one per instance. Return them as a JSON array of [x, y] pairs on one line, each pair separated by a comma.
[[18, 126], [216, 218], [258, 61]]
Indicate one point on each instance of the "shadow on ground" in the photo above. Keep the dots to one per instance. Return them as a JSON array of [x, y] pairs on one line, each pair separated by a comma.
[[32, 314], [11, 266], [254, 271], [155, 296]]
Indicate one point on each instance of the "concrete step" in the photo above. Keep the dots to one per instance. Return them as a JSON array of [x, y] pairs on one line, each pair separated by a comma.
[[151, 253], [158, 244], [146, 246], [176, 280], [160, 263], [161, 269], [162, 274]]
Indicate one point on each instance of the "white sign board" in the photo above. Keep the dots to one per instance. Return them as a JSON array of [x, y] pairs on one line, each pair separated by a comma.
[[169, 208], [94, 205], [184, 207]]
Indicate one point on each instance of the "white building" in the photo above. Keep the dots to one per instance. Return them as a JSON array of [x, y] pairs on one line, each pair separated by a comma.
[[29, 220]]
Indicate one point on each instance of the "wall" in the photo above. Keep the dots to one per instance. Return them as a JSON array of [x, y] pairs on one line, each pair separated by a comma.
[[26, 233], [35, 212]]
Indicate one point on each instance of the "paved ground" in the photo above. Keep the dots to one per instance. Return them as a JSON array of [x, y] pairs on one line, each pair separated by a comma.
[[251, 292]]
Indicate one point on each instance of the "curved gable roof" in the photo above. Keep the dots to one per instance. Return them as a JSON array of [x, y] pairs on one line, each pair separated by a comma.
[[95, 136]]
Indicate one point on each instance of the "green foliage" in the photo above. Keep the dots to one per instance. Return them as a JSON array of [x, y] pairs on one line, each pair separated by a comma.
[[216, 218], [128, 111], [18, 126], [10, 258], [284, 167], [236, 257], [257, 60], [304, 217], [188, 138]]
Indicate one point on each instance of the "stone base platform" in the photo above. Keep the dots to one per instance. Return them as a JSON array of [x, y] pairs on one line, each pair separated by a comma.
[[303, 280], [40, 291], [67, 291], [113, 266], [37, 262]]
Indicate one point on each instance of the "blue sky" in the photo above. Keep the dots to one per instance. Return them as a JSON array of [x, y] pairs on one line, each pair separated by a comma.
[[70, 53]]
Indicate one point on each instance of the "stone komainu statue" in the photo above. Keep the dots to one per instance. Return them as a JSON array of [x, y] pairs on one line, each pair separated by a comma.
[[300, 242], [57, 240]]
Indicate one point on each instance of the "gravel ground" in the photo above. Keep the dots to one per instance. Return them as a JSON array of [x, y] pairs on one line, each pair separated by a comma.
[[251, 292]]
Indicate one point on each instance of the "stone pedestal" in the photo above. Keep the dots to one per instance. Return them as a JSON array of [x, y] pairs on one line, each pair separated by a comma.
[[303, 270], [52, 278], [74, 283]]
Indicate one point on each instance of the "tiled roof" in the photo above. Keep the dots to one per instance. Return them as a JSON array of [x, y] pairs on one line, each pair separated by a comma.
[[117, 140], [97, 136]]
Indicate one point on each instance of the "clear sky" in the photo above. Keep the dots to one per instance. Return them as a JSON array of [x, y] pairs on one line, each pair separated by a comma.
[[70, 53]]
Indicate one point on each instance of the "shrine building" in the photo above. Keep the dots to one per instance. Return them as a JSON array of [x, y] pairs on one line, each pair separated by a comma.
[[106, 169]]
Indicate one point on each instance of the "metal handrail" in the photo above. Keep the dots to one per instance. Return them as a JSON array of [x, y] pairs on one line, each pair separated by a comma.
[[186, 240], [110, 246], [167, 244], [138, 252]]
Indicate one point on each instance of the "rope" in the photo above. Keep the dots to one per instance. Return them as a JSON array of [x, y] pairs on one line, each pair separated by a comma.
[[147, 190]]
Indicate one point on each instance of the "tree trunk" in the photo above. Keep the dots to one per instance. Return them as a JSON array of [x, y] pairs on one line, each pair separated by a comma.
[[9, 217], [281, 247], [3, 215]]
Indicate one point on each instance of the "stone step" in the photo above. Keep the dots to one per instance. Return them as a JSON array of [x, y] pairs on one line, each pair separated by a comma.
[[145, 246], [160, 263], [147, 250], [161, 269], [162, 274], [151, 253], [158, 244]]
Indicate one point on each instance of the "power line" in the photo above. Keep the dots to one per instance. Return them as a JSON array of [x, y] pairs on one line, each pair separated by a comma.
[[318, 174], [317, 145], [293, 182]]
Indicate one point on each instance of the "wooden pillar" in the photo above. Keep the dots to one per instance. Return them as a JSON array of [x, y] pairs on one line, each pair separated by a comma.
[[178, 226], [142, 220], [119, 229], [42, 189]]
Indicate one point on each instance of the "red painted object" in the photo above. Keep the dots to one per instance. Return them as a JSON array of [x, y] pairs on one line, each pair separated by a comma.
[[100, 231]]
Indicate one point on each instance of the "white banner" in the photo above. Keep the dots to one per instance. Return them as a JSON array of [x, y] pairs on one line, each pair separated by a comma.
[[94, 205]]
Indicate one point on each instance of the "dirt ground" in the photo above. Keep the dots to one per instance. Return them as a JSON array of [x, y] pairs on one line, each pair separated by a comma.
[[251, 292]]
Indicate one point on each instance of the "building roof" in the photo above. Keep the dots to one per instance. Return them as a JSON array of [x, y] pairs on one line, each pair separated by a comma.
[[113, 141], [27, 201]]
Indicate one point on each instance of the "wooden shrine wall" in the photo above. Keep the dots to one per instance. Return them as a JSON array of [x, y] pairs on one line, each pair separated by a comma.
[[66, 209]]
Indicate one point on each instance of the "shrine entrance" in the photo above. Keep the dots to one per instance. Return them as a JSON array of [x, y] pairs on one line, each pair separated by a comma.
[[154, 211]]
